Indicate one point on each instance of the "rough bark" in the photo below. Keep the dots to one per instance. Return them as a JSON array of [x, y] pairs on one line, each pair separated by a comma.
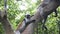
[[7, 26], [29, 29]]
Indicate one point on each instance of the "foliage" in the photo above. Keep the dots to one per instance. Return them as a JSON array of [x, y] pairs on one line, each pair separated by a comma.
[[17, 9]]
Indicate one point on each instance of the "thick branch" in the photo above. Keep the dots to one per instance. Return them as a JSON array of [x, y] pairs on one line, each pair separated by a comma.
[[7, 26], [5, 22], [47, 10]]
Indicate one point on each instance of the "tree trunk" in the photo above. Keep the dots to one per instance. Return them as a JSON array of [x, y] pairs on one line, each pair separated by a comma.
[[7, 26], [29, 29]]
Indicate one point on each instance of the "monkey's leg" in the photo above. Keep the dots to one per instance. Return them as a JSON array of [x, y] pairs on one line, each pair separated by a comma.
[[43, 22], [55, 12]]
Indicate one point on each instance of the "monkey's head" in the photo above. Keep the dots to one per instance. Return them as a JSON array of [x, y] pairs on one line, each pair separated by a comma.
[[27, 16]]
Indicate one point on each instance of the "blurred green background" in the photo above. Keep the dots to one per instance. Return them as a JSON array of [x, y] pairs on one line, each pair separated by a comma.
[[18, 8]]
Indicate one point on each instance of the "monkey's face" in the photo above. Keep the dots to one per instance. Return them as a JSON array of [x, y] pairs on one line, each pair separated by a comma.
[[27, 16]]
